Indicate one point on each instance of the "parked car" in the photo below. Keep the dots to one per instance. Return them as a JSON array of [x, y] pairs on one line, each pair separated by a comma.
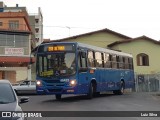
[[25, 87], [9, 100]]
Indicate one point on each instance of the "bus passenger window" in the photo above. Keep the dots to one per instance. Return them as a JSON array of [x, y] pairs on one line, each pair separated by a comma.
[[126, 63], [120, 62], [107, 60], [130, 63], [114, 61], [90, 59], [98, 59]]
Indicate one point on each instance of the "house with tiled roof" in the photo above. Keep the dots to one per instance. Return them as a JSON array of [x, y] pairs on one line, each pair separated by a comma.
[[99, 38], [145, 53]]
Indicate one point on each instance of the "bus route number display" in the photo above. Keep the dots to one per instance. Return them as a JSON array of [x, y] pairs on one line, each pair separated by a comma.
[[56, 48]]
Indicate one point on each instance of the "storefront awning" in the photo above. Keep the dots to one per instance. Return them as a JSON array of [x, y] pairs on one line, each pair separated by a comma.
[[16, 59]]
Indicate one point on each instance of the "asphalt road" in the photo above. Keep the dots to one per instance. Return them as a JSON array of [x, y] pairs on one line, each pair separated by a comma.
[[103, 102]]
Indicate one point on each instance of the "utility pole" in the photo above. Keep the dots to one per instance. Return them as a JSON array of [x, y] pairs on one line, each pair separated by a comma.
[[69, 28]]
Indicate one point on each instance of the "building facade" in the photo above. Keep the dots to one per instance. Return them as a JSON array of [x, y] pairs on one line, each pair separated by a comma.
[[15, 44], [144, 51], [36, 23]]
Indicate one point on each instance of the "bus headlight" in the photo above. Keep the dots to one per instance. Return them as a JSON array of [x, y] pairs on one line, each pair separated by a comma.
[[39, 83], [72, 82]]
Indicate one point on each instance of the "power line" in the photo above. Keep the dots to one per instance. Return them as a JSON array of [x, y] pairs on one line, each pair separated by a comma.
[[69, 27]]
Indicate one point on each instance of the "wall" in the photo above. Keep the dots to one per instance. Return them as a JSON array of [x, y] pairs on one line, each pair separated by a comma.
[[8, 75], [21, 75]]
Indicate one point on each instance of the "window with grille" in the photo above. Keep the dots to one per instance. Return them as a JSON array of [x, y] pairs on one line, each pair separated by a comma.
[[142, 59], [14, 25], [14, 40]]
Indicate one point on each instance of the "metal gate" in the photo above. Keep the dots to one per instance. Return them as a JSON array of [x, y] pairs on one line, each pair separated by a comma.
[[147, 82]]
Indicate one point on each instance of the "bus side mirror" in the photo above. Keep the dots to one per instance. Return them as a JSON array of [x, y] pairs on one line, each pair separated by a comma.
[[83, 69]]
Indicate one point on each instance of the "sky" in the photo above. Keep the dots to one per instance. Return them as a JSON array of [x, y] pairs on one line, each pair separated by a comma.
[[64, 18]]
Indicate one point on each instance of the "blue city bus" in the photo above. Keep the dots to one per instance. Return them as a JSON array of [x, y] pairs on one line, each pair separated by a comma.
[[76, 68]]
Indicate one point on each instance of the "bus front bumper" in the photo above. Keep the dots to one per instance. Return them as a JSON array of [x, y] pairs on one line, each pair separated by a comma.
[[57, 90]]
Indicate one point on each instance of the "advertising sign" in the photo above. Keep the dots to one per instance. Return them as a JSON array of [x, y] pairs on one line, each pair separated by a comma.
[[14, 51]]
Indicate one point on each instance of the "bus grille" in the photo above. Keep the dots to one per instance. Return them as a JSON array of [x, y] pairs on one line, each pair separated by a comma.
[[52, 81], [54, 90]]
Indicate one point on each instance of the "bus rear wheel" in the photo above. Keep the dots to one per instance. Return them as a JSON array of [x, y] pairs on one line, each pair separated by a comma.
[[58, 96], [121, 90]]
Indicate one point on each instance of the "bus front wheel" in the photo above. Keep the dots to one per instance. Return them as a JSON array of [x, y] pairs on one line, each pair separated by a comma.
[[90, 93], [58, 96]]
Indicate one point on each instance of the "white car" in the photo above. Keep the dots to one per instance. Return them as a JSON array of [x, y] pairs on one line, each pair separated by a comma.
[[25, 87], [9, 101]]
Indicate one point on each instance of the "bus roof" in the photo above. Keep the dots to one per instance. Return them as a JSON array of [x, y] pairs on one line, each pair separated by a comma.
[[104, 49], [91, 47]]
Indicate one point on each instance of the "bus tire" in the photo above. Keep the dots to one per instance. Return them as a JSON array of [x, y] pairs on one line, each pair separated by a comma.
[[58, 96], [90, 93], [121, 90]]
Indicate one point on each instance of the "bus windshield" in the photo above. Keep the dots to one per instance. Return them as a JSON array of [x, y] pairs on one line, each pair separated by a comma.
[[56, 64]]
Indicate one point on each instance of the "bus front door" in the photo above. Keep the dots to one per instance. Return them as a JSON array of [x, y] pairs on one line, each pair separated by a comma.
[[82, 72]]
